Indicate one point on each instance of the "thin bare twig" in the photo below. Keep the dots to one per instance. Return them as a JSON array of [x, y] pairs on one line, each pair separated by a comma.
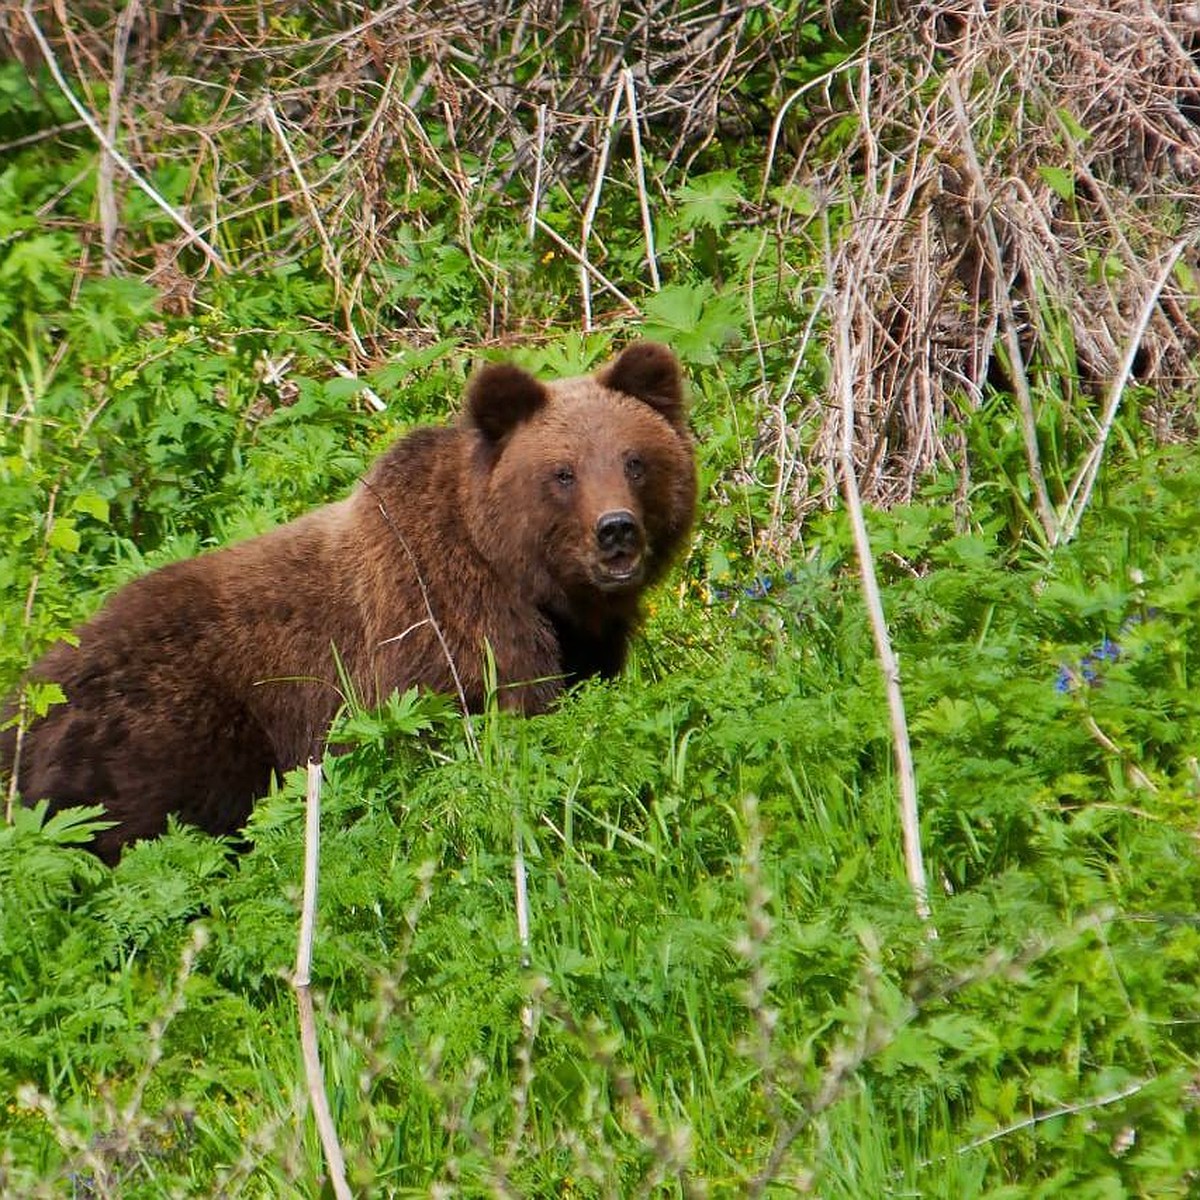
[[593, 203], [98, 133], [539, 155], [587, 266], [1000, 292], [105, 197], [1064, 1110], [301, 981], [639, 169], [906, 775], [329, 256], [1085, 480]]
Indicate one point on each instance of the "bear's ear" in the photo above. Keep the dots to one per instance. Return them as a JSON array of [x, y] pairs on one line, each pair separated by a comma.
[[650, 372], [501, 396]]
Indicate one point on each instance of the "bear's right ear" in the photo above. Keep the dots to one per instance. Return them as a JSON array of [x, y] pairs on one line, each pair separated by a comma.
[[501, 396], [649, 372]]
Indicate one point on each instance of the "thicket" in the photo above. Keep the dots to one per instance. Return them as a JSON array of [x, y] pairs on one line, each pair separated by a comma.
[[938, 256]]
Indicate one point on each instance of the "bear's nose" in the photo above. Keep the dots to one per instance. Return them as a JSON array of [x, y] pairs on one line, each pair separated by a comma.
[[617, 532]]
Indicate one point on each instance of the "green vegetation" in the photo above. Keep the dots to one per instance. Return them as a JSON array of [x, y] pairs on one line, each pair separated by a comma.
[[726, 989]]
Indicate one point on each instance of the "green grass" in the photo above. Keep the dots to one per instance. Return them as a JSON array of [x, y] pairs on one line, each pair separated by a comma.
[[728, 990], [722, 986]]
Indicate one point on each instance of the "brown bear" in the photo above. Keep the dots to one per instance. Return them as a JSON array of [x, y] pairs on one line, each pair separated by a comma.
[[533, 526]]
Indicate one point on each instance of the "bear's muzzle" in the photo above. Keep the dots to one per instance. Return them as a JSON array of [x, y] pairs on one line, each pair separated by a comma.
[[621, 542]]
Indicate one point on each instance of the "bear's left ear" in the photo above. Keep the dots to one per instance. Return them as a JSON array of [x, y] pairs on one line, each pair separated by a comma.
[[650, 372], [501, 396]]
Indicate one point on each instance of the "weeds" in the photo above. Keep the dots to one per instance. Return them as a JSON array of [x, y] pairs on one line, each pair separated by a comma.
[[723, 988], [719, 984]]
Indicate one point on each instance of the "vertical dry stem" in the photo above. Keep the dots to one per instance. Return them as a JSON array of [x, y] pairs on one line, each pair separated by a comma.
[[639, 168], [98, 133], [300, 982], [589, 213], [539, 159], [1085, 480], [909, 821], [330, 258], [105, 195], [1008, 320]]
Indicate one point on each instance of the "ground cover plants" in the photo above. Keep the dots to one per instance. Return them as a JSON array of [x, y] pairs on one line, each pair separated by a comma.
[[725, 987]]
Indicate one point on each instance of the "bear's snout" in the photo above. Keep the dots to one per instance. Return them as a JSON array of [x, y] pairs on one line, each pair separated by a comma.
[[620, 541], [618, 533]]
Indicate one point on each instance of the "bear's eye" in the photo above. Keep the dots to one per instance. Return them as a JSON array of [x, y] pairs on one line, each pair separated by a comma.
[[635, 469], [564, 476]]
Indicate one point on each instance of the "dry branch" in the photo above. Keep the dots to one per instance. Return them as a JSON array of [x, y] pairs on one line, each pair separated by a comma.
[[114, 154], [1018, 176], [1085, 480], [519, 88], [1033, 227], [301, 982], [910, 825]]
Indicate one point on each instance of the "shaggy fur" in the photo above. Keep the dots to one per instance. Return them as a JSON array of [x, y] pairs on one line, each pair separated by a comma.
[[534, 525]]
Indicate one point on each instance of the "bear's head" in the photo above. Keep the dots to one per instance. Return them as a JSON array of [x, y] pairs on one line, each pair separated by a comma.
[[583, 489]]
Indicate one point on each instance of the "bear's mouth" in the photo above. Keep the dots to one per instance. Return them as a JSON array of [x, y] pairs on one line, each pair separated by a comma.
[[619, 573]]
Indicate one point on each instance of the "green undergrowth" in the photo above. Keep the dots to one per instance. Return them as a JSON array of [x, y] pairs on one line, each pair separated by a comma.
[[726, 988], [726, 982]]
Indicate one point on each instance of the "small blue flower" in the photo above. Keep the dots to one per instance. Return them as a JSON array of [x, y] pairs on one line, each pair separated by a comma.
[[1089, 667], [759, 588]]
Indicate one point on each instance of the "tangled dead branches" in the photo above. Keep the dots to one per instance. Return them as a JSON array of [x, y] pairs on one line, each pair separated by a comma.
[[359, 85], [1008, 190], [1021, 191]]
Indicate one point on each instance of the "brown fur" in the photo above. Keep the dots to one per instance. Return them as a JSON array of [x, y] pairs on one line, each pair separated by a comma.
[[534, 524]]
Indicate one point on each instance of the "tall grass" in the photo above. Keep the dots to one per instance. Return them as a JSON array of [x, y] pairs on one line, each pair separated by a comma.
[[724, 987]]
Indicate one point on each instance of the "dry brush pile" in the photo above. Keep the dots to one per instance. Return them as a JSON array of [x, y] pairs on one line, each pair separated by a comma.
[[1021, 217], [1012, 210], [331, 114]]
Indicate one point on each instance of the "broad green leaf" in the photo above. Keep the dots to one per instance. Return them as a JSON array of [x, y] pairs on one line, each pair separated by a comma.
[[63, 535], [92, 504], [1061, 181], [707, 200]]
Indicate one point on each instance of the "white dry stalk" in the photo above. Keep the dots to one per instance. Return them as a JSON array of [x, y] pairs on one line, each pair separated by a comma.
[[10, 790], [914, 862], [106, 200], [521, 900], [539, 159], [369, 394], [1137, 776], [334, 1159], [1008, 320], [586, 266], [1065, 1110], [589, 213], [1085, 480], [787, 463], [106, 143], [330, 258], [639, 168]]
